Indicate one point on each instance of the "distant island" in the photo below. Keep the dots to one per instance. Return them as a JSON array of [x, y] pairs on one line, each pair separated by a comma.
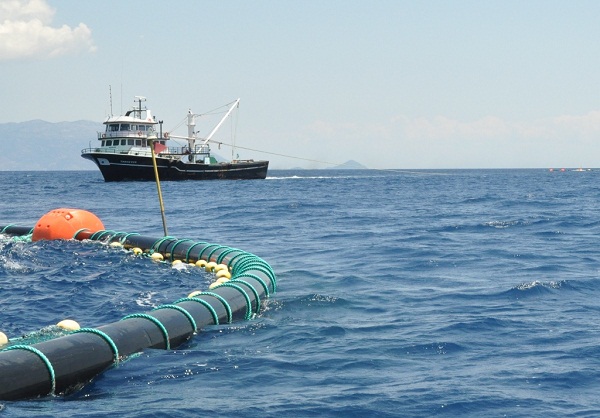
[[349, 165]]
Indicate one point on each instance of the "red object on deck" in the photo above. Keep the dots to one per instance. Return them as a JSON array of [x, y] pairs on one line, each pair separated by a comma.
[[158, 147]]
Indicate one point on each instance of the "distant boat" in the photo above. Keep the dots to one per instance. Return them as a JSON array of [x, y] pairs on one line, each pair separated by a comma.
[[124, 152]]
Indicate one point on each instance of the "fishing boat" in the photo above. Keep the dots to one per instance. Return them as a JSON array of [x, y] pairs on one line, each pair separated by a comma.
[[126, 147]]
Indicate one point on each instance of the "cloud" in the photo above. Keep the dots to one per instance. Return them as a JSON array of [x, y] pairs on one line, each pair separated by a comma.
[[560, 127], [25, 32]]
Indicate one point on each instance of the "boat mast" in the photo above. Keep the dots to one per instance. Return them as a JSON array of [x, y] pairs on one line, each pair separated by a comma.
[[139, 99], [191, 124], [191, 136]]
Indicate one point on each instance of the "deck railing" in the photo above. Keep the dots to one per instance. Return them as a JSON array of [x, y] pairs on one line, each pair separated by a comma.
[[145, 151]]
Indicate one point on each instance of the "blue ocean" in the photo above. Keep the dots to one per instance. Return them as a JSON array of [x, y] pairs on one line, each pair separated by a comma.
[[400, 293]]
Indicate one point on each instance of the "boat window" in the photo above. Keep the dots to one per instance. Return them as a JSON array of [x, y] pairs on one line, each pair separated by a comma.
[[134, 127], [123, 142], [108, 142], [142, 128], [144, 143], [130, 142], [138, 142], [125, 126], [113, 127]]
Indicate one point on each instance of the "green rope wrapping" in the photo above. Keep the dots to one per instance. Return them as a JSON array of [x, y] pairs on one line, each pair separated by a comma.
[[242, 254], [256, 296], [176, 244], [220, 247], [247, 260], [205, 248], [244, 264], [156, 322], [78, 231], [187, 254], [106, 338], [6, 227], [94, 235], [159, 242], [183, 311], [44, 359], [205, 304], [255, 277], [224, 253], [223, 301], [259, 265], [243, 292], [122, 240], [98, 235], [268, 272], [116, 234]]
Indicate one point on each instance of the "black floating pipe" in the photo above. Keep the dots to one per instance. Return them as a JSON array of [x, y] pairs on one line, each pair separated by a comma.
[[65, 364], [15, 230]]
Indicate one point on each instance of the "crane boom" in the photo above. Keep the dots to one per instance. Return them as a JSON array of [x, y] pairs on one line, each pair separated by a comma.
[[233, 106]]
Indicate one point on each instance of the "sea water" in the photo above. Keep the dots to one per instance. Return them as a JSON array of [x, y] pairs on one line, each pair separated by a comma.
[[400, 294]]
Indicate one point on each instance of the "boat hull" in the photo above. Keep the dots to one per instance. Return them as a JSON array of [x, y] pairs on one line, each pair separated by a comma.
[[127, 167]]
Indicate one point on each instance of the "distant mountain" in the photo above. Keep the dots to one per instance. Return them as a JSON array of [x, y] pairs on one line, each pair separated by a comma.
[[349, 165], [40, 145]]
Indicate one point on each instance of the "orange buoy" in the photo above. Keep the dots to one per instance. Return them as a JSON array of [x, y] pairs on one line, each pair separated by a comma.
[[64, 223]]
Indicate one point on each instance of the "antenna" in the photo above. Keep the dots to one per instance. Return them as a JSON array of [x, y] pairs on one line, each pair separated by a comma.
[[110, 98]]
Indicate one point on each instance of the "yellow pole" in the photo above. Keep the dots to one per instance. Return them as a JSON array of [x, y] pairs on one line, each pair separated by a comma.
[[160, 199]]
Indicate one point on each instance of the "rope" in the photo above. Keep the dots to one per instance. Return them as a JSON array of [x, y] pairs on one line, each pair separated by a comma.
[[242, 254], [262, 269], [159, 242], [323, 162], [44, 359], [176, 244], [277, 154], [256, 263], [255, 277], [250, 262], [203, 303], [220, 247], [95, 234], [156, 322], [100, 234], [187, 254], [224, 253], [183, 311], [6, 227], [204, 249], [77, 232], [223, 301], [116, 234], [246, 297], [106, 338], [122, 240], [256, 296]]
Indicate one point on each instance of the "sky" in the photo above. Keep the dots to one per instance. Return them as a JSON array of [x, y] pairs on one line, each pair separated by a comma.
[[391, 84]]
